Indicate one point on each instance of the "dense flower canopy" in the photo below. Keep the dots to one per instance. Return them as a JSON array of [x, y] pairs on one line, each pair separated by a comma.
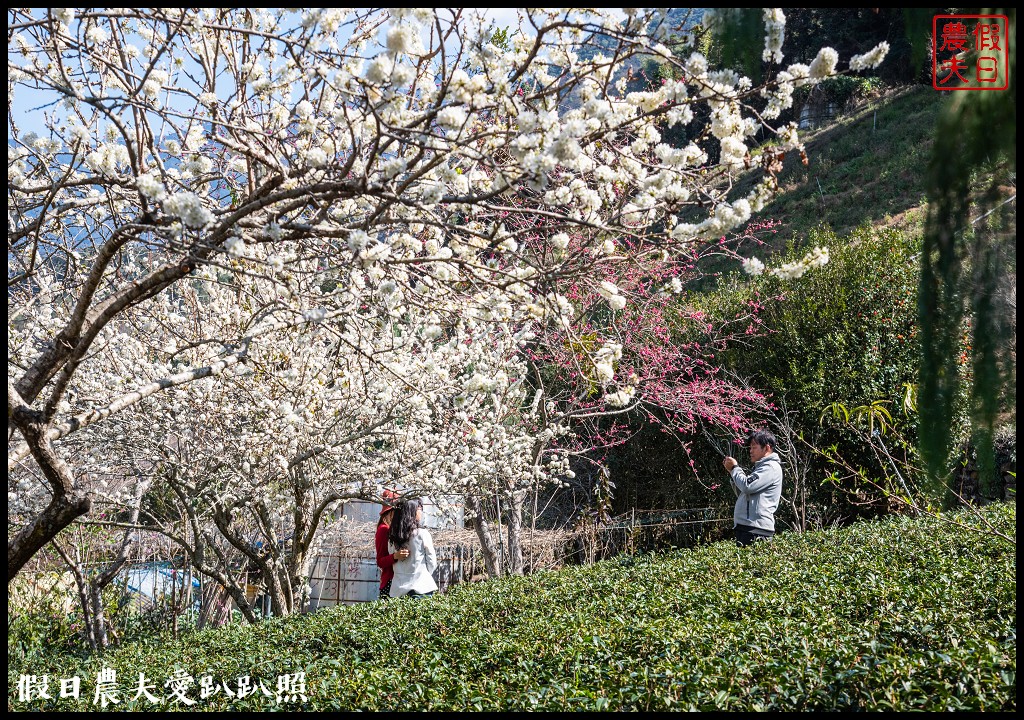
[[329, 236]]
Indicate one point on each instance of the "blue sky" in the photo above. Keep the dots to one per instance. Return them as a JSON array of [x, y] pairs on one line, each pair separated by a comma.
[[27, 107]]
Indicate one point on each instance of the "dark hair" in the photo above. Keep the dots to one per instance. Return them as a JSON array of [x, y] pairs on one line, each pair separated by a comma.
[[762, 437], [404, 524]]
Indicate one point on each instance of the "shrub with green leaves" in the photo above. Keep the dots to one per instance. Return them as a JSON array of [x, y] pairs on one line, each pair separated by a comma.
[[845, 332], [40, 622], [894, 614]]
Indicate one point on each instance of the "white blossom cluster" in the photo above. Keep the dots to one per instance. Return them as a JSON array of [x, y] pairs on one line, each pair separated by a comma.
[[818, 257], [151, 187], [871, 59], [824, 64], [774, 34], [610, 292], [620, 398], [189, 208], [108, 159], [753, 266]]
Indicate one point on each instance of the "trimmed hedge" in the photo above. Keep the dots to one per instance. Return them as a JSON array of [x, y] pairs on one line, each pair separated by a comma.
[[896, 613]]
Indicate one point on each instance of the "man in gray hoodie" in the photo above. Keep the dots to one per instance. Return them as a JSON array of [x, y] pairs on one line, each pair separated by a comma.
[[757, 494]]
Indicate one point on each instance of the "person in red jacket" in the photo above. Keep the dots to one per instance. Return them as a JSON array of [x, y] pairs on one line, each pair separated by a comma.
[[385, 559]]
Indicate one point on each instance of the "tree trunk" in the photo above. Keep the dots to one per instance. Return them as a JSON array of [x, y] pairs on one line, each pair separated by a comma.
[[280, 593], [299, 579], [215, 601], [174, 605], [515, 532], [60, 513], [483, 531], [65, 504], [83, 597], [97, 619], [238, 595], [90, 600], [90, 589]]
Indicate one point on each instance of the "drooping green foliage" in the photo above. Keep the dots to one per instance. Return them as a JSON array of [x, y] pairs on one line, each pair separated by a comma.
[[738, 38], [898, 614], [964, 257]]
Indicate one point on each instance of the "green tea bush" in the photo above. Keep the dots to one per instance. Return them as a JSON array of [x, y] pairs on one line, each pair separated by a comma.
[[893, 614], [50, 618], [45, 628]]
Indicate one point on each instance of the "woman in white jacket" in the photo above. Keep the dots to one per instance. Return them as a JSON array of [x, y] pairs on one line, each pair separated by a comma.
[[413, 575]]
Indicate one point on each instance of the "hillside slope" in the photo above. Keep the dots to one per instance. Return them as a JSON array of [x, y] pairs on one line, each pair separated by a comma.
[[866, 165]]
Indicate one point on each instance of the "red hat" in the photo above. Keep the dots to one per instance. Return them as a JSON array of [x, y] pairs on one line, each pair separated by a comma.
[[390, 497]]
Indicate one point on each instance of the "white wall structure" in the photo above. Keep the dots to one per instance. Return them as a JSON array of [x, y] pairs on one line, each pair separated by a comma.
[[445, 512], [341, 580], [361, 511]]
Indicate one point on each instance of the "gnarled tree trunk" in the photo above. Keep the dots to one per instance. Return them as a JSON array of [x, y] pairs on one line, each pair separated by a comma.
[[515, 532], [492, 562]]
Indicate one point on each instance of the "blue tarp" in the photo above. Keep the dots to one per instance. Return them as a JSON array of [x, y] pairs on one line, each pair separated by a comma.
[[155, 580]]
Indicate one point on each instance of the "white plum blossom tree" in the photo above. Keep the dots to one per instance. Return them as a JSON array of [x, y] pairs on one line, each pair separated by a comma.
[[331, 410], [201, 202]]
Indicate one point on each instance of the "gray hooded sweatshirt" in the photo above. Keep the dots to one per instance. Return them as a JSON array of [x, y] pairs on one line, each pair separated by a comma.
[[758, 494]]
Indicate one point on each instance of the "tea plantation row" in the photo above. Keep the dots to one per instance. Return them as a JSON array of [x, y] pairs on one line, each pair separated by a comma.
[[894, 614]]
